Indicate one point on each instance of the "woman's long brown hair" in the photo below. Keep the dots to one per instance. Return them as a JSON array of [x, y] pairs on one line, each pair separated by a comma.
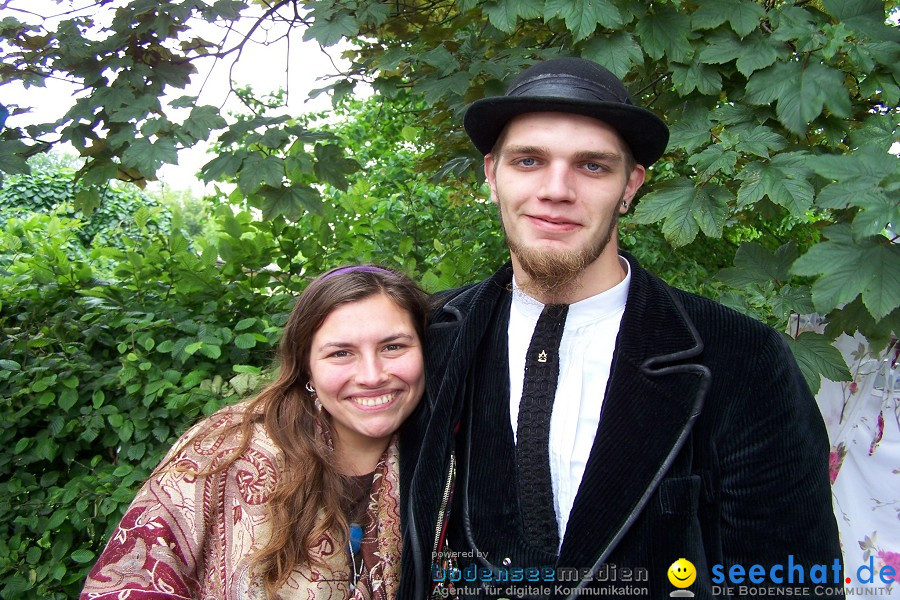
[[306, 502]]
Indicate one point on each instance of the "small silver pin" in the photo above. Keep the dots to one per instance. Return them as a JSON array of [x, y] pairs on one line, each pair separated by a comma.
[[542, 357]]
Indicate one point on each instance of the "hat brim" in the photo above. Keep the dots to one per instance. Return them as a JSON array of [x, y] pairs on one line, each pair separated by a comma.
[[644, 132]]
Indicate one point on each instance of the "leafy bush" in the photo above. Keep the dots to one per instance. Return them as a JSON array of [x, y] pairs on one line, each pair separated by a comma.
[[106, 358], [109, 214]]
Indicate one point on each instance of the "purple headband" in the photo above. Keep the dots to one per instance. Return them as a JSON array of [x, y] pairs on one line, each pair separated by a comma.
[[357, 269], [350, 269]]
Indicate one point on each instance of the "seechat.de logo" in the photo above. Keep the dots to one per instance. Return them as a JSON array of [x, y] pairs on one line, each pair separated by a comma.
[[682, 574]]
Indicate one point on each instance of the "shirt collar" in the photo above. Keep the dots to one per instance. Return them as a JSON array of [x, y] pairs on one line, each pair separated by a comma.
[[584, 311]]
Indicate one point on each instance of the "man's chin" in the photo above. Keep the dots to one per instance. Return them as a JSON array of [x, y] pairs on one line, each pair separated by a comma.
[[550, 272]]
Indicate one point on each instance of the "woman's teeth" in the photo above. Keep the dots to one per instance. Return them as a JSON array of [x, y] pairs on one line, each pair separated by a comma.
[[377, 401]]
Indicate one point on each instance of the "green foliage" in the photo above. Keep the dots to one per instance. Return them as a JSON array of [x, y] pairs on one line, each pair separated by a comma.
[[107, 357], [106, 214], [786, 110], [778, 191]]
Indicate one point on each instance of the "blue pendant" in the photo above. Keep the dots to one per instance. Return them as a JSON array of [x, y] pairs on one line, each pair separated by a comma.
[[356, 536]]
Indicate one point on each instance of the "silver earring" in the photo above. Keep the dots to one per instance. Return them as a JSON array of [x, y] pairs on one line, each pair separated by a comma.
[[310, 388], [625, 204], [318, 404]]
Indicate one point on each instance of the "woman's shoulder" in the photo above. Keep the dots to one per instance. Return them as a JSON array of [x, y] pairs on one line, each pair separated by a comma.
[[218, 436]]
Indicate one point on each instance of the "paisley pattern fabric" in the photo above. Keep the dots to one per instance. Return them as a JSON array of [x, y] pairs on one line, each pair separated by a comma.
[[193, 536]]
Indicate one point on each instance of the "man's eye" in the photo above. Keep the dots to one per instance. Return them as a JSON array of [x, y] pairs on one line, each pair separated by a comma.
[[527, 162], [593, 167]]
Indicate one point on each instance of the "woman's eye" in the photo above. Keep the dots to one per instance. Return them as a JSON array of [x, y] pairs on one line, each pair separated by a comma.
[[339, 354], [393, 347]]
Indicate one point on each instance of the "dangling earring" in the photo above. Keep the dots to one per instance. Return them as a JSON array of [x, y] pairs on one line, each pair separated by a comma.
[[312, 392]]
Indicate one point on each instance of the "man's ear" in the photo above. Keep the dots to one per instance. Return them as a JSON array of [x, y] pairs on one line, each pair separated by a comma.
[[632, 185], [490, 174]]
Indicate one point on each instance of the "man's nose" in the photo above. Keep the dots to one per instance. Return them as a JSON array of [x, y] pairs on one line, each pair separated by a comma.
[[557, 183]]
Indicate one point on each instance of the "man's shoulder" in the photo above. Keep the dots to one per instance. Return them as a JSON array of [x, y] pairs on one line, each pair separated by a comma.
[[712, 320], [454, 304]]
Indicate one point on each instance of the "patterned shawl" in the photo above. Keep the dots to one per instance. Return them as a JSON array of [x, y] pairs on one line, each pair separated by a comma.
[[189, 536]]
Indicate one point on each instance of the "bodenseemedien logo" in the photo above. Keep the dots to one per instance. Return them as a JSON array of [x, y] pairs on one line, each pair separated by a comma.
[[682, 574]]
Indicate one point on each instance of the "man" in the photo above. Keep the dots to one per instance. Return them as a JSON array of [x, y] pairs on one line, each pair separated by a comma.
[[587, 425]]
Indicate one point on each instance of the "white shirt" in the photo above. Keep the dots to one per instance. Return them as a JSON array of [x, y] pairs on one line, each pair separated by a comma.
[[586, 351]]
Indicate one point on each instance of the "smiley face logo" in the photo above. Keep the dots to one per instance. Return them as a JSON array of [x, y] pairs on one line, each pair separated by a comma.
[[682, 573]]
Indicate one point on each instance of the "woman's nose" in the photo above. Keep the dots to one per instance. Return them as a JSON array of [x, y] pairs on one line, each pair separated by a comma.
[[371, 371]]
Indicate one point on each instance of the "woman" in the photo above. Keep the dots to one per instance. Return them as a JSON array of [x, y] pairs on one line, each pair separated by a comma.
[[293, 494]]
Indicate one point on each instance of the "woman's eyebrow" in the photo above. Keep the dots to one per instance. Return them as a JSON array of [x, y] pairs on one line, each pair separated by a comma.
[[389, 338]]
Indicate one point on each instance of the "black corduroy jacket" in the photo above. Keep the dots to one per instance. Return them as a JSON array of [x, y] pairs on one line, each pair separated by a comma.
[[710, 447]]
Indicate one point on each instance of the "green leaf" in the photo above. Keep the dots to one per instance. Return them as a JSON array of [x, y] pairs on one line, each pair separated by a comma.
[[245, 323], [758, 53], [98, 172], [804, 100], [291, 202], [858, 178], [245, 341], [754, 265], [618, 52], [374, 13], [504, 14], [817, 357], [202, 121], [211, 351], [67, 399], [328, 31], [782, 181], [860, 15], [441, 59], [792, 300], [9, 365], [148, 157], [257, 170], [882, 295], [684, 210], [759, 140], [11, 157], [691, 128], [87, 200], [768, 85], [82, 556], [744, 16], [141, 217], [870, 165], [332, 166], [714, 160], [665, 33], [847, 268], [583, 17], [878, 212], [721, 47], [696, 76]]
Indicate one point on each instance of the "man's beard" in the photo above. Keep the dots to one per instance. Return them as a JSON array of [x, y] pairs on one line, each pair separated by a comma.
[[553, 274]]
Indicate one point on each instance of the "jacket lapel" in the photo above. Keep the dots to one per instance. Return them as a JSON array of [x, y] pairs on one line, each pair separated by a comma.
[[654, 394], [450, 342]]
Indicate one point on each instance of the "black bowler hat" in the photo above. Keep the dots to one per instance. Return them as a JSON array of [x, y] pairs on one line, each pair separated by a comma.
[[570, 85]]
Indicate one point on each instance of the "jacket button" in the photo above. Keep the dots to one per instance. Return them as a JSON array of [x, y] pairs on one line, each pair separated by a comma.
[[506, 561]]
